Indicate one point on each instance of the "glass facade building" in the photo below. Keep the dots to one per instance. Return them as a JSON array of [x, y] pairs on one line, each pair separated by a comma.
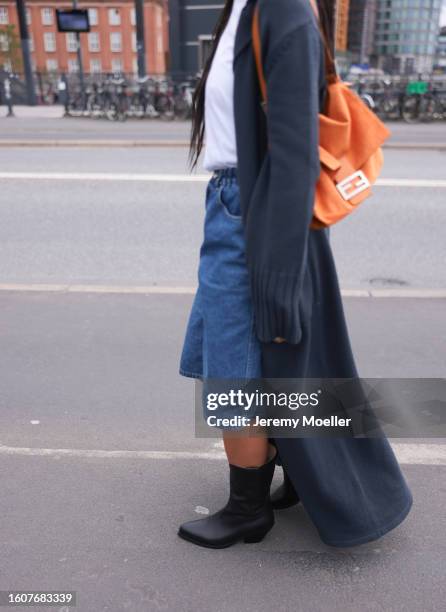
[[406, 33], [361, 29]]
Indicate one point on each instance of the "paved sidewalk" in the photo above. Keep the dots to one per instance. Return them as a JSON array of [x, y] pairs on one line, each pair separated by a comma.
[[22, 111], [46, 126]]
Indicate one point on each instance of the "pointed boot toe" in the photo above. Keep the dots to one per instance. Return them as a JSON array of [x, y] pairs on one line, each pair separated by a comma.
[[247, 516]]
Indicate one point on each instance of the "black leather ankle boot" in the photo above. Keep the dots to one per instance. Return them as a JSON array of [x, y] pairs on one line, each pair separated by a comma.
[[247, 516], [285, 496]]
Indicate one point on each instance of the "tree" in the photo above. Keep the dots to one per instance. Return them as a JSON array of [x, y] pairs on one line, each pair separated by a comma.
[[10, 48]]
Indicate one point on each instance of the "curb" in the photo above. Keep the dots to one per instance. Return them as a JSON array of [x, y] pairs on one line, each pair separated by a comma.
[[429, 146], [93, 143], [129, 143], [190, 290]]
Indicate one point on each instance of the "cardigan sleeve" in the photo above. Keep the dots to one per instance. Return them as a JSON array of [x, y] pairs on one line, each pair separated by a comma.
[[277, 229]]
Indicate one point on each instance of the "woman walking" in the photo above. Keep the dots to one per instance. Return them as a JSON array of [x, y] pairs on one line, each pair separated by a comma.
[[268, 302]]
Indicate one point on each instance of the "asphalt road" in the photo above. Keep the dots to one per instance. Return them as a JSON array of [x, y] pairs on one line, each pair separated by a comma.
[[83, 372], [98, 458], [78, 229]]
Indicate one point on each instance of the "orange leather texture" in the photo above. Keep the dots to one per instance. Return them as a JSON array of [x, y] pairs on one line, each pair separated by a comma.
[[350, 139]]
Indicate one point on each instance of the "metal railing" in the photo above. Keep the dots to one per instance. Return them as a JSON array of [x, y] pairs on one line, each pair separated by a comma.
[[118, 97], [121, 96], [398, 98], [114, 96]]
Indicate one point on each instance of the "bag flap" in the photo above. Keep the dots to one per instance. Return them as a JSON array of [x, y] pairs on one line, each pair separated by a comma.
[[328, 159], [349, 128]]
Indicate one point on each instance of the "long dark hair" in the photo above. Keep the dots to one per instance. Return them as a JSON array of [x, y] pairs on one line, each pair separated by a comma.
[[326, 18]]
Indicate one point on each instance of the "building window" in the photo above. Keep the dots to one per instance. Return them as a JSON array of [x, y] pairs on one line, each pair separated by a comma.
[[95, 65], [49, 42], [158, 18], [94, 44], [115, 42], [47, 16], [116, 65], [135, 65], [4, 16], [51, 65], [134, 42], [132, 17], [114, 17], [71, 42], [159, 43], [28, 16], [93, 16], [31, 43], [204, 49], [73, 66]]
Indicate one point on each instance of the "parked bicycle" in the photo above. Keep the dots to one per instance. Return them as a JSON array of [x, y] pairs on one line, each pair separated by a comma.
[[117, 98]]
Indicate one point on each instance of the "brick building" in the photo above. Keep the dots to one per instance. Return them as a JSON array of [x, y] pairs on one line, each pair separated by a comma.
[[342, 12], [110, 46]]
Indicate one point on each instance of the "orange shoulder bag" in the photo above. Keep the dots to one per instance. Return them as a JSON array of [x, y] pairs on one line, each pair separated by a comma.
[[350, 139]]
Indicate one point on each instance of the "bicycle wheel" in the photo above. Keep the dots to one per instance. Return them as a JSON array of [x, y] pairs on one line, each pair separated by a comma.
[[112, 111], [411, 109], [427, 108], [389, 108], [182, 108]]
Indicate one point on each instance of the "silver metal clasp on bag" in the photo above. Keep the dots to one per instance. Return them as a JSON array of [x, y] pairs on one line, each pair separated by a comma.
[[353, 184]]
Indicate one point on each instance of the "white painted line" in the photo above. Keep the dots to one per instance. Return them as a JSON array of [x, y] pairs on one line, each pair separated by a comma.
[[433, 146], [56, 288], [408, 293], [153, 289], [355, 293], [189, 290], [420, 454], [183, 178], [163, 142], [106, 176], [406, 182], [88, 143], [407, 454], [108, 454]]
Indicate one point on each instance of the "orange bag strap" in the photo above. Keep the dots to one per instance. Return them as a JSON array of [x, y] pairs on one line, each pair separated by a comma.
[[258, 53], [330, 67]]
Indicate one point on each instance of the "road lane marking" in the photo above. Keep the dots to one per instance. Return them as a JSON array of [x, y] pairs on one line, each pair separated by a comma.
[[109, 454], [406, 182], [106, 176], [62, 288], [420, 454], [407, 454], [89, 143], [165, 142], [189, 290], [181, 178]]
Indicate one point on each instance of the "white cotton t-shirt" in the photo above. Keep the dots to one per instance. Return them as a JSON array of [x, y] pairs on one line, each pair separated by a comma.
[[220, 146]]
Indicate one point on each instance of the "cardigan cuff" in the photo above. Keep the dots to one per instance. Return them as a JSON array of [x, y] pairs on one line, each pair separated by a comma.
[[276, 305]]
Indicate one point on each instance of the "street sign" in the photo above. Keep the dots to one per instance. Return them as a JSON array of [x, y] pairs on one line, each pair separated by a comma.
[[417, 87], [74, 20]]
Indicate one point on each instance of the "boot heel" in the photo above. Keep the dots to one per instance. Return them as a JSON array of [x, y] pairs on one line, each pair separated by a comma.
[[253, 538]]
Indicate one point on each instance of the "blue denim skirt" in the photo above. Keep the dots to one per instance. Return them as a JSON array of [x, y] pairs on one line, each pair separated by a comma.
[[220, 340]]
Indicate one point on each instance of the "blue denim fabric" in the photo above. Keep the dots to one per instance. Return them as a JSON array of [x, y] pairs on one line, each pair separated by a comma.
[[220, 338]]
